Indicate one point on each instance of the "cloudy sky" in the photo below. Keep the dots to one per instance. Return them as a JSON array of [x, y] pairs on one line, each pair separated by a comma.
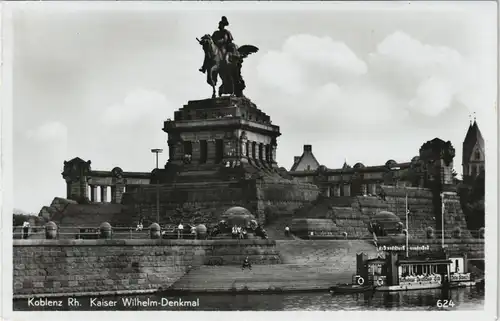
[[363, 82]]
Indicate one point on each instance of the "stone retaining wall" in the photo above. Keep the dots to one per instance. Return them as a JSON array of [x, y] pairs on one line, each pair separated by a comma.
[[92, 267], [204, 203]]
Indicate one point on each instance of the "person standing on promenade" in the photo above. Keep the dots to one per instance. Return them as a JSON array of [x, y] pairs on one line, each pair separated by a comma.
[[140, 226], [193, 232], [26, 229], [180, 228]]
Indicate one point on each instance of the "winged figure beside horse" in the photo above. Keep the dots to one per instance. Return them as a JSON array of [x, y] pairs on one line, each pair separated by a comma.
[[223, 59]]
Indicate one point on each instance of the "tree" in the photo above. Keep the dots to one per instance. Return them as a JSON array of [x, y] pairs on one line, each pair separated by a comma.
[[472, 200]]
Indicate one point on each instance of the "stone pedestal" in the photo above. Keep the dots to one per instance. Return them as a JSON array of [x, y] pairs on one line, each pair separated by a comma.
[[240, 168]]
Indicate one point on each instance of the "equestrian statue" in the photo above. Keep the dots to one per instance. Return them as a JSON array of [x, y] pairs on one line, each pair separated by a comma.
[[223, 59]]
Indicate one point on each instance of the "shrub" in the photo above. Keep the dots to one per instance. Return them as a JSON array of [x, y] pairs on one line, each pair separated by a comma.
[[429, 231]]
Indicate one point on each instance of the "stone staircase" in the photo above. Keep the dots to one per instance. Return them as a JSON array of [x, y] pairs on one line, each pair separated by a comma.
[[75, 216], [306, 265], [276, 230], [278, 277], [341, 253]]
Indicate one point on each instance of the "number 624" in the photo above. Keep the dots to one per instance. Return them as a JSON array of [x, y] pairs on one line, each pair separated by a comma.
[[445, 304]]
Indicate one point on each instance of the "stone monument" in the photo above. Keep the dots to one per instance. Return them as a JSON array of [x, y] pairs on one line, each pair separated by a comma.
[[222, 151], [222, 154]]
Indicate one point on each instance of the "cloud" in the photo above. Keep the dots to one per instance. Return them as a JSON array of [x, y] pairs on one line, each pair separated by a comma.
[[433, 76], [49, 132], [278, 70], [138, 105], [48, 143], [433, 96], [401, 76], [325, 52], [306, 61], [327, 76]]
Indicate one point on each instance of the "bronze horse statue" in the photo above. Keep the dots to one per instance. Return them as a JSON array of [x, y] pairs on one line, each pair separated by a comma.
[[228, 69]]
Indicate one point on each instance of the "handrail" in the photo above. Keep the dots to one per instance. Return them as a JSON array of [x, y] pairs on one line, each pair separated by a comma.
[[130, 232]]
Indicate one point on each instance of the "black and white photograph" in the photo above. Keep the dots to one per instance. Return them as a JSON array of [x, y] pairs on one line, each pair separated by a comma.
[[249, 156]]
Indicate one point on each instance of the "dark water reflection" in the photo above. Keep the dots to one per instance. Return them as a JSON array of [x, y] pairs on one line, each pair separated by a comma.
[[463, 299]]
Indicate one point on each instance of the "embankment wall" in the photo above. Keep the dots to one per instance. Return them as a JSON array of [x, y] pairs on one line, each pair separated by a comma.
[[92, 267]]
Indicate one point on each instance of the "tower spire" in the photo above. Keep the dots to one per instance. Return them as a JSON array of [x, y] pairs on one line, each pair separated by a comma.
[[470, 120], [474, 116]]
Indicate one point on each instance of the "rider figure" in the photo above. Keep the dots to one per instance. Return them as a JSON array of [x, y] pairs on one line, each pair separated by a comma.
[[224, 40]]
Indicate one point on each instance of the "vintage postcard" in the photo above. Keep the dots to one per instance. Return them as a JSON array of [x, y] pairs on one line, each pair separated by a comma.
[[338, 157]]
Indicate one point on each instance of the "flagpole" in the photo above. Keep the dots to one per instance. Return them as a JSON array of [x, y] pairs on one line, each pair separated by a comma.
[[407, 232], [442, 220]]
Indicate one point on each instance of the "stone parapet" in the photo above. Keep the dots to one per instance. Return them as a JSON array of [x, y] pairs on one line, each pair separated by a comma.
[[90, 267]]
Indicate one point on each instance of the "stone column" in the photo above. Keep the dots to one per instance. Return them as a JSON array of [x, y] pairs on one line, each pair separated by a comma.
[[273, 153], [104, 194], [175, 152], [243, 148], [337, 190], [229, 148], [93, 193], [116, 193], [210, 151], [363, 189], [171, 150], [68, 189], [196, 151], [347, 189]]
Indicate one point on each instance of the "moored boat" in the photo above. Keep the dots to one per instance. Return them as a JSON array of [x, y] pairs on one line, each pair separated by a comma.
[[394, 274]]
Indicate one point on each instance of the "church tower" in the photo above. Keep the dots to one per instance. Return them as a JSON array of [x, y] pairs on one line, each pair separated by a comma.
[[473, 153]]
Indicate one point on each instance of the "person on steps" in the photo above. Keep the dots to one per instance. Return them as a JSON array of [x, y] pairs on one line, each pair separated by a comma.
[[287, 231], [246, 264]]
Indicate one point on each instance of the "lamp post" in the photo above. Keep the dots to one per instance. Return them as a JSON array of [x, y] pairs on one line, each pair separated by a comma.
[[442, 219], [394, 170], [407, 212], [157, 151]]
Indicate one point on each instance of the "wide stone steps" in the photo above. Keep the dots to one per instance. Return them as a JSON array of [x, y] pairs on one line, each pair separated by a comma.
[[262, 278], [324, 251]]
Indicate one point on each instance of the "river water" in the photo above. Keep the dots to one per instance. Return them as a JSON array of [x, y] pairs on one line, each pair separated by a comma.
[[423, 300]]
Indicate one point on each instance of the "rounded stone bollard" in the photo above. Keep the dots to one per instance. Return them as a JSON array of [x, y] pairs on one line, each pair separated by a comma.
[[201, 231], [105, 230], [155, 231], [51, 230]]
